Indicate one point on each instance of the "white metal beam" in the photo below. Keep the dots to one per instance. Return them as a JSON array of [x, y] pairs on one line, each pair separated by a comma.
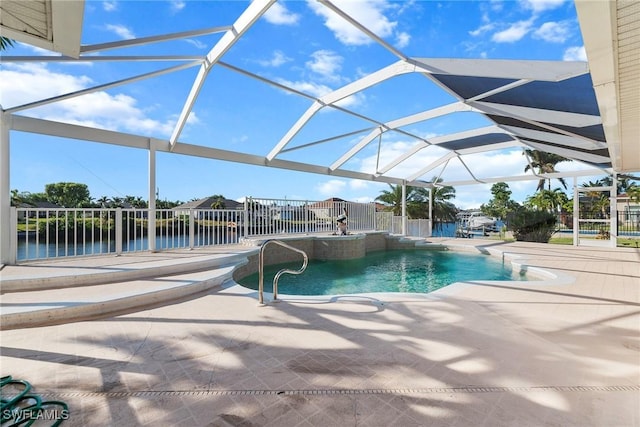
[[5, 191], [364, 29], [397, 68], [433, 165], [152, 39], [569, 142], [251, 14], [506, 69], [394, 124], [585, 172], [113, 58], [99, 88], [492, 109]]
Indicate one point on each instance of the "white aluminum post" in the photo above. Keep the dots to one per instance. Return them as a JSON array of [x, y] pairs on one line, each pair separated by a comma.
[[430, 212], [576, 210], [404, 209], [7, 251], [119, 231], [192, 228], [245, 216], [613, 211], [14, 236], [151, 224]]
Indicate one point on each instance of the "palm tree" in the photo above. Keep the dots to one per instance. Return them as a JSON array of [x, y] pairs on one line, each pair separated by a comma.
[[393, 198], [5, 43], [633, 191], [544, 163], [418, 202], [598, 201], [443, 209], [548, 200]]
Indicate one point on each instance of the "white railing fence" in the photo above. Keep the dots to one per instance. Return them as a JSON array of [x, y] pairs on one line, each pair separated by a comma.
[[57, 233], [419, 227]]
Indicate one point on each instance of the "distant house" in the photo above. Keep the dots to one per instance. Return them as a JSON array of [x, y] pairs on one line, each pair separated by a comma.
[[329, 209], [37, 209], [204, 206], [628, 210]]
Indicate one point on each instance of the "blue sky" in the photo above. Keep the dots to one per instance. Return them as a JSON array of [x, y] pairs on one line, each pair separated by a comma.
[[297, 44]]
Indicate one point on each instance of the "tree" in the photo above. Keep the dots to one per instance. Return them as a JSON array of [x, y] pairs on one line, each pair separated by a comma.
[[136, 202], [544, 163], [68, 194], [418, 202], [598, 201], [501, 204], [393, 198], [24, 197], [634, 193], [443, 209], [219, 202], [547, 200], [5, 43], [103, 202]]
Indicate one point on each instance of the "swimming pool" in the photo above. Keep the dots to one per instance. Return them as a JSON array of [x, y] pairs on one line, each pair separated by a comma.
[[409, 271]]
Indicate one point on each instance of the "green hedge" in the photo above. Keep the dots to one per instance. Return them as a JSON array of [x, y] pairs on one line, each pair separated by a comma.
[[530, 225]]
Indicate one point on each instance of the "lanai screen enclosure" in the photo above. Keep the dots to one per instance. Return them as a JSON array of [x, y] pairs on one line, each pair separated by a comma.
[[584, 111]]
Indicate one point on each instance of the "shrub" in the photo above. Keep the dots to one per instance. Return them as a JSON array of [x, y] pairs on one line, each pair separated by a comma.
[[532, 225]]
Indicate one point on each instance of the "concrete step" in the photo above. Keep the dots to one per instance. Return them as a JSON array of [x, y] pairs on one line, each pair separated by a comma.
[[56, 292], [58, 274], [56, 306]]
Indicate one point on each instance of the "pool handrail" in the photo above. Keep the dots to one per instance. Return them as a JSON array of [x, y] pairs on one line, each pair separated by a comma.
[[279, 273]]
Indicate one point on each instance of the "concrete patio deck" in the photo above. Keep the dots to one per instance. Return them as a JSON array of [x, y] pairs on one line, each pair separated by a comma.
[[538, 353]]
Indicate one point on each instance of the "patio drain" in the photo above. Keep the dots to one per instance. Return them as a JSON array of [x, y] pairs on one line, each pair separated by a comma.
[[329, 392]]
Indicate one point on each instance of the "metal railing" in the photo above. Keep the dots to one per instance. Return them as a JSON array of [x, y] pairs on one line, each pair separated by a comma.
[[598, 226], [279, 273], [44, 233], [280, 216]]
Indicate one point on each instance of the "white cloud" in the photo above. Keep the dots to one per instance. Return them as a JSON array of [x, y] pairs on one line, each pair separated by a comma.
[[311, 88], [110, 5], [554, 32], [121, 31], [514, 33], [239, 139], [197, 43], [482, 30], [575, 53], [357, 184], [330, 188], [369, 12], [279, 15], [318, 90], [277, 59], [538, 6], [193, 119], [402, 39], [23, 84], [352, 101], [325, 63], [177, 5]]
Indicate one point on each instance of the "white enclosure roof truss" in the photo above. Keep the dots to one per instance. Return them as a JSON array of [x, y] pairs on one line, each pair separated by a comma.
[[585, 111]]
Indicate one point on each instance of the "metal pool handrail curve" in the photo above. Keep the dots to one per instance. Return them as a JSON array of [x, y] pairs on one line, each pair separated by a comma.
[[279, 273]]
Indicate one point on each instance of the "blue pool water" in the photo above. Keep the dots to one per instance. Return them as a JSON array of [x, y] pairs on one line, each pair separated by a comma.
[[419, 271]]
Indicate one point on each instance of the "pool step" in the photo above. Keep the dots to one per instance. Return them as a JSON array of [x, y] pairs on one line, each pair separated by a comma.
[[55, 293], [101, 270]]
